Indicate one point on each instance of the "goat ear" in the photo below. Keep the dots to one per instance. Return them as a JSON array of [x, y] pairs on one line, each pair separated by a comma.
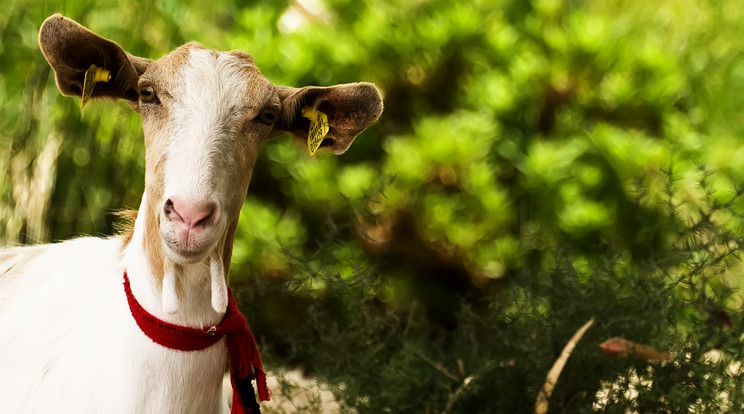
[[350, 109], [71, 48]]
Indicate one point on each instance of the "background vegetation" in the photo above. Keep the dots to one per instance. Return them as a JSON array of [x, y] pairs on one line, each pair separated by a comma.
[[538, 163]]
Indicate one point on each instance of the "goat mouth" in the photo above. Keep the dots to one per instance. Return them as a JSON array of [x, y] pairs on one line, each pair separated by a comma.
[[184, 255], [186, 246]]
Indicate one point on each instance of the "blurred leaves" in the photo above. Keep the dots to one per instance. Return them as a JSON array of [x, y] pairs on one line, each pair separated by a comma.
[[537, 163]]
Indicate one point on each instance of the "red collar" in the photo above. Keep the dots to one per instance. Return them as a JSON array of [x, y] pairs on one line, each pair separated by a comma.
[[245, 360]]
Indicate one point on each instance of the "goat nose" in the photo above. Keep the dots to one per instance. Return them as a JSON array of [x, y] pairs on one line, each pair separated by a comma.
[[192, 214]]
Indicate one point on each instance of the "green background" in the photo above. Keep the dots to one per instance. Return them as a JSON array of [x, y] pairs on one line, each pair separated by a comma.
[[538, 163]]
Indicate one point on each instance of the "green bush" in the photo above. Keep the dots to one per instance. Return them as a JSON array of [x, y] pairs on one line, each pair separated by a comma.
[[538, 163]]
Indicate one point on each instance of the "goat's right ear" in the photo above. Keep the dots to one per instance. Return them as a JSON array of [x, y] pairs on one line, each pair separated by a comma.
[[71, 48]]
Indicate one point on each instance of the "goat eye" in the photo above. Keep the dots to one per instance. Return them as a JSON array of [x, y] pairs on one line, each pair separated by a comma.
[[269, 116], [147, 94]]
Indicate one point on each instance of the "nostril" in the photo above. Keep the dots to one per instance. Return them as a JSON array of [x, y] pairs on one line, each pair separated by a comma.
[[206, 219], [168, 206]]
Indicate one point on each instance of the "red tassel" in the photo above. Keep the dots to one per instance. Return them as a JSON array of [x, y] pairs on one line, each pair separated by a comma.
[[263, 388]]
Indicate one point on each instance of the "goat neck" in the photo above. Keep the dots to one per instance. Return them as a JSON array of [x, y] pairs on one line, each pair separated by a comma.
[[148, 268]]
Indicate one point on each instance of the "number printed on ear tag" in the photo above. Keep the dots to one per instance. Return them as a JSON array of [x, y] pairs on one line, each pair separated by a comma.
[[318, 128], [93, 75]]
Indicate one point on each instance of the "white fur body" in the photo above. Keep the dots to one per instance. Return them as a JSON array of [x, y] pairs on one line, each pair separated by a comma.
[[63, 309], [73, 347]]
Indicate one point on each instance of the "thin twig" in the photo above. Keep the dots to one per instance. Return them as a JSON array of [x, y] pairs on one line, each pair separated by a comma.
[[541, 405], [439, 367]]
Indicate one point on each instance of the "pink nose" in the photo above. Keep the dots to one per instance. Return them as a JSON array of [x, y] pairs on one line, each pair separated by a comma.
[[191, 214]]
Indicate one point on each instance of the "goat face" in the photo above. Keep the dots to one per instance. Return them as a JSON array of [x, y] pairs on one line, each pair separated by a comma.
[[205, 115]]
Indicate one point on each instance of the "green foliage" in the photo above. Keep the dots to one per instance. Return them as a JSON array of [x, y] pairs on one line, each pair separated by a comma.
[[538, 163]]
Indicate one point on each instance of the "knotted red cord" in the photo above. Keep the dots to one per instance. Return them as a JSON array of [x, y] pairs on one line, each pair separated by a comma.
[[245, 360]]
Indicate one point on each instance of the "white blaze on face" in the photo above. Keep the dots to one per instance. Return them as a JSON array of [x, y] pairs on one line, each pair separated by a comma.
[[210, 151], [205, 118]]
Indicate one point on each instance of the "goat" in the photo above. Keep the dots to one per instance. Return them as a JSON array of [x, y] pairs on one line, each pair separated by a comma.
[[69, 341]]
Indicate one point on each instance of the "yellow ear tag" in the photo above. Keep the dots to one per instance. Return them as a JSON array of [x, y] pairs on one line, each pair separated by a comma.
[[318, 128], [93, 75]]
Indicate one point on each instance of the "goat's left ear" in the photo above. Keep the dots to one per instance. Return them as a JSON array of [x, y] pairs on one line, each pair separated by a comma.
[[71, 49], [350, 109]]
